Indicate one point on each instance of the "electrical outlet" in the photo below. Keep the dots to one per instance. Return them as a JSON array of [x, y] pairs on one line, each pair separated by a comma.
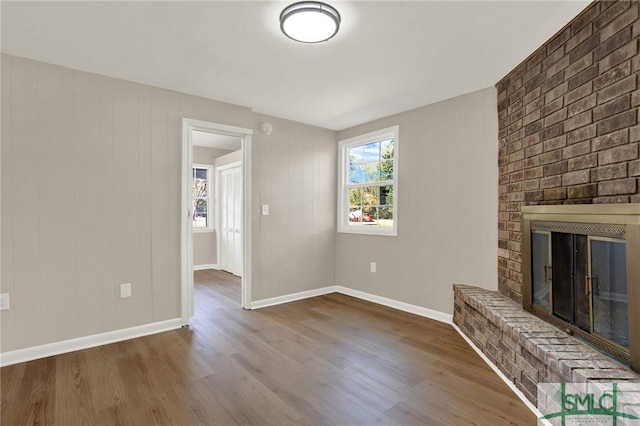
[[265, 210], [125, 290], [373, 267], [4, 302]]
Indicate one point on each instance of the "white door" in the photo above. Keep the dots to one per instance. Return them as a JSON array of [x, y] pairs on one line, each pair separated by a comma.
[[230, 204]]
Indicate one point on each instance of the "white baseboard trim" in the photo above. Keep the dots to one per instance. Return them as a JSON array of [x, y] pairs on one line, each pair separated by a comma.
[[401, 306], [292, 297], [206, 266], [504, 378], [56, 348]]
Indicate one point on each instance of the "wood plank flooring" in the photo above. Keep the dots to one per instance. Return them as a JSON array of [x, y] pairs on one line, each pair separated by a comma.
[[330, 360]]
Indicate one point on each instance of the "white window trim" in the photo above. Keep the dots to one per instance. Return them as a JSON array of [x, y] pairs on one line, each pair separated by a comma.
[[343, 197], [210, 215]]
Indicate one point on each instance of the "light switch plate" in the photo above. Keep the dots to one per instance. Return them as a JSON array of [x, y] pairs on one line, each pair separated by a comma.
[[4, 302], [125, 290], [265, 210]]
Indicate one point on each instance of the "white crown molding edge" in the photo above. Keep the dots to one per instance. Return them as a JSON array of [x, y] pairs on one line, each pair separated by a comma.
[[85, 342]]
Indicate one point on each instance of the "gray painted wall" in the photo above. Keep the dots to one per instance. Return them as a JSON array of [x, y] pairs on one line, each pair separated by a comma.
[[90, 199], [294, 171], [447, 195], [205, 155], [204, 242], [68, 241], [231, 157]]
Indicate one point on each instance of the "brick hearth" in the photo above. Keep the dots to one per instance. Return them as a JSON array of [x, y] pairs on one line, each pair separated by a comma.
[[526, 349]]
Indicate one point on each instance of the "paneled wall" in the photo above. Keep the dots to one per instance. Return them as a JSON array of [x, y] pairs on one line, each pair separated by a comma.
[[446, 222], [568, 120], [294, 172], [90, 200]]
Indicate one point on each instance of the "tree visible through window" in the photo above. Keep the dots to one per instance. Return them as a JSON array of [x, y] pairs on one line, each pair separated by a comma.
[[201, 197], [368, 176]]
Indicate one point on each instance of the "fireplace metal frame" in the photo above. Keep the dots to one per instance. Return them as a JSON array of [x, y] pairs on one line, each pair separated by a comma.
[[625, 220]]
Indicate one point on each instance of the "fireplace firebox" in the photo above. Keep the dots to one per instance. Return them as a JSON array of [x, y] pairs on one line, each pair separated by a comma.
[[581, 272]]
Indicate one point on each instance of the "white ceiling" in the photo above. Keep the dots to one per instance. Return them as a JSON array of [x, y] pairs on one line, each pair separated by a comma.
[[214, 140], [388, 57]]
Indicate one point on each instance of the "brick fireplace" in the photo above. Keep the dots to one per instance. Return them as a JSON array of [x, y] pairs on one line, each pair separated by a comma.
[[569, 133], [568, 125]]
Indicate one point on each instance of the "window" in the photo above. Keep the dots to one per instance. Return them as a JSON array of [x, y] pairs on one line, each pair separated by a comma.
[[201, 189], [367, 179]]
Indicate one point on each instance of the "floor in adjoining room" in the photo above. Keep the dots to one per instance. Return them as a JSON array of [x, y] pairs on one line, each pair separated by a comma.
[[329, 360]]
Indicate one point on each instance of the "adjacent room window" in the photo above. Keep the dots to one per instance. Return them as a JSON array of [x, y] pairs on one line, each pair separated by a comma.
[[368, 172], [202, 206]]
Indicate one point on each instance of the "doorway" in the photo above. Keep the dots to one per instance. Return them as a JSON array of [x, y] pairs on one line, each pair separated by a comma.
[[192, 132], [229, 214]]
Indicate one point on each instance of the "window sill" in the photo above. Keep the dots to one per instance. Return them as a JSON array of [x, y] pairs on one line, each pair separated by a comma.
[[375, 232]]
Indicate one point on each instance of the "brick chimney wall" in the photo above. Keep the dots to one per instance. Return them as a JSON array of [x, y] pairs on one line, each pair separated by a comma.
[[568, 125]]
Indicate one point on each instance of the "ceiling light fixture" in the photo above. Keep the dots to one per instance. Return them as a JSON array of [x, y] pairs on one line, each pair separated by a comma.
[[309, 21]]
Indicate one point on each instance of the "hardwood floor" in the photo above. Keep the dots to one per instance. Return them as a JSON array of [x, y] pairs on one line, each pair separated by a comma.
[[330, 360]]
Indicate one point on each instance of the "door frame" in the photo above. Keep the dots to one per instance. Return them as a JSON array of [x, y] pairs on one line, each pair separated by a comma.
[[186, 232], [217, 172]]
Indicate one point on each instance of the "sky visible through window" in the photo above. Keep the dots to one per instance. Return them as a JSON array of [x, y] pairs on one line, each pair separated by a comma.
[[372, 162], [370, 183]]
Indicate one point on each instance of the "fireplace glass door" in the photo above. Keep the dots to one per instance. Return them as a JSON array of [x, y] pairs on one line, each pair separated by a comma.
[[541, 268], [608, 275], [581, 273], [582, 280]]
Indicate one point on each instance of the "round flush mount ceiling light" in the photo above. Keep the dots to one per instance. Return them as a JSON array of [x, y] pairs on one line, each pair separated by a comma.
[[309, 21]]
